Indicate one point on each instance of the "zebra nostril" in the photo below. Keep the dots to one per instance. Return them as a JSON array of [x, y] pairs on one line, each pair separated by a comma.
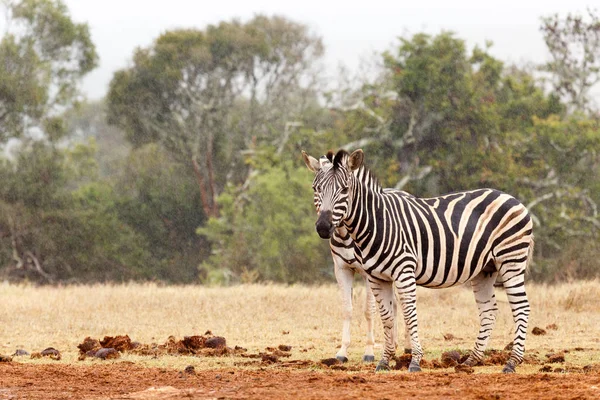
[[324, 225], [324, 232]]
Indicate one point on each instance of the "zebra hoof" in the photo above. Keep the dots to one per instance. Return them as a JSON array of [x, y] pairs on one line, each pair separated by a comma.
[[382, 367], [469, 362], [343, 359], [368, 359], [508, 369], [414, 368]]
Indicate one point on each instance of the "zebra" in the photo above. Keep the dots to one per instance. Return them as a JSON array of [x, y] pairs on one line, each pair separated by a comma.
[[402, 241], [345, 267]]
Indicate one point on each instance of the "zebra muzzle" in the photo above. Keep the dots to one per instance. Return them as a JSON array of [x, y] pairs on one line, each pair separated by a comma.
[[324, 224]]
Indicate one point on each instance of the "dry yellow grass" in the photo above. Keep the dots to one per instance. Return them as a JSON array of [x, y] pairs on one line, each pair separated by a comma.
[[257, 316]]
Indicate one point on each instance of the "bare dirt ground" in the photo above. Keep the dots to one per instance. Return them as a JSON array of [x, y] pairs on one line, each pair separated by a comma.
[[124, 380], [273, 342]]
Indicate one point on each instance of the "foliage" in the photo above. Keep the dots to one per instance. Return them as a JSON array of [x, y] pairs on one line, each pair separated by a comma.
[[190, 168], [158, 199], [206, 95], [574, 44], [55, 231], [462, 114], [443, 119], [87, 121], [44, 55], [560, 187], [266, 230]]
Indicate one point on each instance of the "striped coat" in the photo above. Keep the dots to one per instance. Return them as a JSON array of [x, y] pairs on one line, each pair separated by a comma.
[[403, 241], [346, 266]]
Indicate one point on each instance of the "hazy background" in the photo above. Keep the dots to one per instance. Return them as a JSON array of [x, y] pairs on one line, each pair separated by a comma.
[[350, 32]]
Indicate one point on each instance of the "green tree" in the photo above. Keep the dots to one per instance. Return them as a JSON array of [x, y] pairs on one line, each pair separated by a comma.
[[461, 113], [58, 220], [59, 223], [44, 56], [266, 229], [562, 193], [87, 121], [206, 95], [574, 45], [158, 199]]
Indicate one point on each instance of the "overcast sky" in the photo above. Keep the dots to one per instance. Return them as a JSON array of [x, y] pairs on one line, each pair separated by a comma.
[[350, 30]]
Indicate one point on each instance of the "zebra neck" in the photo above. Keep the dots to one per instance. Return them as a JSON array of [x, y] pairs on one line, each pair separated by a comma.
[[366, 201]]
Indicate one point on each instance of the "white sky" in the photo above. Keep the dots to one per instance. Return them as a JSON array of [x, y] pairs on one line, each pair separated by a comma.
[[350, 30]]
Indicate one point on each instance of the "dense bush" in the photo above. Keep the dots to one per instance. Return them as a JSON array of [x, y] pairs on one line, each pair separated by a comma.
[[199, 177], [266, 231]]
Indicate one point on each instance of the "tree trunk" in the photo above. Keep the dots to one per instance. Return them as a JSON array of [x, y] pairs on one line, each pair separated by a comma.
[[209, 204]]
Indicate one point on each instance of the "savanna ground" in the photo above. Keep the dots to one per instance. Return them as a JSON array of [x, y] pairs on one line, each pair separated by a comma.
[[307, 319]]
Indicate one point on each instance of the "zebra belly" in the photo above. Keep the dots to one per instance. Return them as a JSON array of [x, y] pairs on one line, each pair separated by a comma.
[[440, 278]]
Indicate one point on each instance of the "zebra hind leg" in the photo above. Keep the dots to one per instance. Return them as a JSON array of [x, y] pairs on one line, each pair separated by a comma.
[[513, 278], [483, 289], [369, 355]]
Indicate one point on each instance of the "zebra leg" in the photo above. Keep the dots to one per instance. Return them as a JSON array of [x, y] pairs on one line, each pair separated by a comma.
[[513, 279], [407, 289], [384, 296], [407, 345], [483, 289], [345, 278], [369, 355]]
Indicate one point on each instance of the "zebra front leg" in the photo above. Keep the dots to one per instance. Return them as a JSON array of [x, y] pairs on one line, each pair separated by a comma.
[[483, 289], [407, 345], [345, 278], [407, 289], [384, 296], [517, 298], [369, 355]]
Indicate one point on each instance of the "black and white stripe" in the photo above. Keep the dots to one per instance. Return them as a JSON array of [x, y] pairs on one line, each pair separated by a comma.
[[403, 241], [345, 267]]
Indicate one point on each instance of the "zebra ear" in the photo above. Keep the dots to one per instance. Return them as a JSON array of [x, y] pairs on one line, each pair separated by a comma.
[[356, 159], [311, 162]]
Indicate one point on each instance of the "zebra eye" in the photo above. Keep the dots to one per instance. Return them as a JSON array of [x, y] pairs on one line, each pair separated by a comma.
[[344, 190]]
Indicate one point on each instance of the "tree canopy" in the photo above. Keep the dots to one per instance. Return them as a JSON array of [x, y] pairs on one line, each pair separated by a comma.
[[190, 169], [207, 95], [44, 55]]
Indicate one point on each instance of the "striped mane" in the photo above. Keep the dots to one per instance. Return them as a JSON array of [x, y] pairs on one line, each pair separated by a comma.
[[330, 155], [339, 157], [363, 173]]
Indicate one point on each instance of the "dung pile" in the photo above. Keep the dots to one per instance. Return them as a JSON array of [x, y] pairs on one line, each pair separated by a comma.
[[271, 355], [110, 347], [455, 358], [202, 345], [49, 352]]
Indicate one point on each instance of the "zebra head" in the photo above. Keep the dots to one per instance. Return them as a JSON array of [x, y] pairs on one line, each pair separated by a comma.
[[332, 187]]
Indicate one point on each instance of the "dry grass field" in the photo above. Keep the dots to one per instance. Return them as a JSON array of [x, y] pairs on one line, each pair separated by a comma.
[[307, 318]]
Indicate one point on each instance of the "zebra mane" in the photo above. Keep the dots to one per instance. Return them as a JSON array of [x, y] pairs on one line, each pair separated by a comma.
[[364, 173], [339, 157], [367, 176]]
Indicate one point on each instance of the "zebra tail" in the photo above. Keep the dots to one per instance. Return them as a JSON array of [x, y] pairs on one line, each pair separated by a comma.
[[527, 271]]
